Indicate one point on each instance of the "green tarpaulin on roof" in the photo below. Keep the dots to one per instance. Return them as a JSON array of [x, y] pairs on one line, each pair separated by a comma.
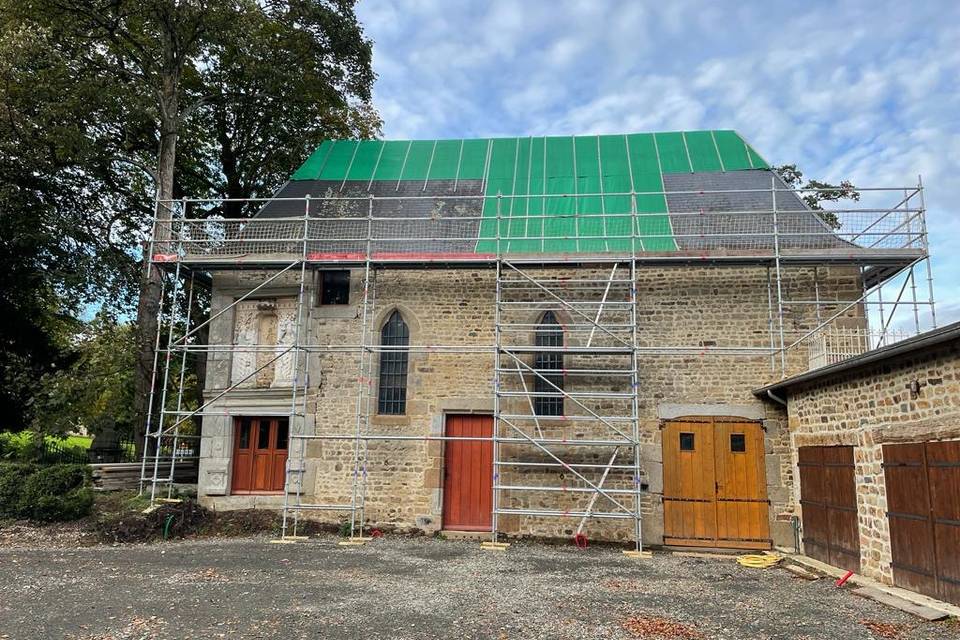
[[539, 167]]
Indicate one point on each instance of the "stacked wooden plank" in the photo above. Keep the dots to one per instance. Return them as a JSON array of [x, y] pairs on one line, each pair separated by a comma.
[[126, 475]]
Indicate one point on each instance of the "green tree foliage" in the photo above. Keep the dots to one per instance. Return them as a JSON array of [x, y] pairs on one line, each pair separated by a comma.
[[820, 192], [64, 229], [95, 391], [105, 104]]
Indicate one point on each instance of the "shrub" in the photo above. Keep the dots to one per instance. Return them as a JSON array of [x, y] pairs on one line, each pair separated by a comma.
[[12, 476], [46, 494]]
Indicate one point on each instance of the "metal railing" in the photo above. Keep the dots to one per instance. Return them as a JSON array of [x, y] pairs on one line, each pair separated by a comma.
[[471, 228]]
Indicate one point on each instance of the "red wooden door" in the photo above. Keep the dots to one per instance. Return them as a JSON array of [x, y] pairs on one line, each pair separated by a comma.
[[468, 474], [259, 454]]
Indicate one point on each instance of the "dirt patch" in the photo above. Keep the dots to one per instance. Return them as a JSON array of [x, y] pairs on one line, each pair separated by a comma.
[[656, 628], [885, 630], [124, 517]]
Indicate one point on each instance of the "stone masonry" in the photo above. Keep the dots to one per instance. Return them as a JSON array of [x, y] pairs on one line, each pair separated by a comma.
[[690, 308]]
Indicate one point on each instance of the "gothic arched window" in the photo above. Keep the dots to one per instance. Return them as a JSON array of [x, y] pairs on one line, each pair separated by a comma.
[[549, 367], [392, 398]]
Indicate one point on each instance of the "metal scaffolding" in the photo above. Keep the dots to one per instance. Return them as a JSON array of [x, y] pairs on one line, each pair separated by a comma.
[[593, 375]]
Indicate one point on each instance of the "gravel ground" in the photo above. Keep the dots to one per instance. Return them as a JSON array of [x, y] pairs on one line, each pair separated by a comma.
[[399, 587]]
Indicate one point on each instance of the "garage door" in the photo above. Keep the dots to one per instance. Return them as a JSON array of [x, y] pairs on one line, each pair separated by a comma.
[[828, 500], [923, 507]]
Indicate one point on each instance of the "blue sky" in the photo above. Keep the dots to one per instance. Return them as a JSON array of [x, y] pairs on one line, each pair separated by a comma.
[[866, 91]]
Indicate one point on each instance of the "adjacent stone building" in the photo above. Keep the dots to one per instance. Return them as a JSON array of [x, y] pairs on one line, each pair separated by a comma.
[[876, 442]]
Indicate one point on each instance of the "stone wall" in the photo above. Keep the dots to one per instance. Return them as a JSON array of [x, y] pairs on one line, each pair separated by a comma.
[[872, 406], [687, 317]]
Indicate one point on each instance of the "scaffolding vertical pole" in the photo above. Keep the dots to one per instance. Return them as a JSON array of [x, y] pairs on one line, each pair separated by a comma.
[[183, 369], [495, 498], [776, 256], [907, 196], [926, 252], [773, 346], [148, 267], [635, 399], [362, 381], [294, 373], [881, 337], [174, 315], [153, 382], [365, 446]]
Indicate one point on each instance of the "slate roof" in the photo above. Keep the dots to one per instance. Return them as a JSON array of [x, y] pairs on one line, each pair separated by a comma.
[[696, 190]]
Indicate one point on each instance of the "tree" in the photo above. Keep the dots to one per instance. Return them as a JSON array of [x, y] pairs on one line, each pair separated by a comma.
[[232, 94], [65, 209], [95, 391], [823, 192]]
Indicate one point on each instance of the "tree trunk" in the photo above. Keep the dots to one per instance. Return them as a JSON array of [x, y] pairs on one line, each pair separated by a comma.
[[148, 306]]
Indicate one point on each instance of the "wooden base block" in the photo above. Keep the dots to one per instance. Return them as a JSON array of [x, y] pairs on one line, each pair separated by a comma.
[[639, 555], [283, 541], [494, 546], [170, 500], [354, 542]]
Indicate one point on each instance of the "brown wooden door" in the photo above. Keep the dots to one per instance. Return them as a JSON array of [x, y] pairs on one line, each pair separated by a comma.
[[259, 454], [468, 474], [829, 502], [923, 507], [714, 484]]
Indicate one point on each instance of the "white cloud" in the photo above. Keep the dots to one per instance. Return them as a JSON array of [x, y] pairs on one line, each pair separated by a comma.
[[864, 90]]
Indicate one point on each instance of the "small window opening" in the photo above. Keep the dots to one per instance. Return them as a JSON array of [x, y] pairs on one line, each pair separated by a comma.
[[686, 442], [334, 287], [738, 442]]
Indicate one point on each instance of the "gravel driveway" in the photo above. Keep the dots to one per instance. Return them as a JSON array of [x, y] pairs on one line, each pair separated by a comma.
[[419, 588]]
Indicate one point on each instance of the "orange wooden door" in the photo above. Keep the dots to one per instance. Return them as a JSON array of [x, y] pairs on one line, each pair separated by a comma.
[[468, 474], [259, 455], [689, 495], [714, 484], [741, 483]]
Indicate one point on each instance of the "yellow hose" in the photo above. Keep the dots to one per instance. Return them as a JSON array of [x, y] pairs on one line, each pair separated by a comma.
[[759, 561]]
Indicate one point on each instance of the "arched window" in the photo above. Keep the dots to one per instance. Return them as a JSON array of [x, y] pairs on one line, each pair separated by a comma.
[[392, 398], [549, 365]]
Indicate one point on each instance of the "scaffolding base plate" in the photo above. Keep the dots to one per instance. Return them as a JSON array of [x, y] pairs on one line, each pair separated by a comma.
[[639, 555], [289, 540], [494, 546]]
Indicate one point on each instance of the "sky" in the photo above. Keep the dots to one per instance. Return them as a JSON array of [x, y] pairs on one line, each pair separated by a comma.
[[864, 91]]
